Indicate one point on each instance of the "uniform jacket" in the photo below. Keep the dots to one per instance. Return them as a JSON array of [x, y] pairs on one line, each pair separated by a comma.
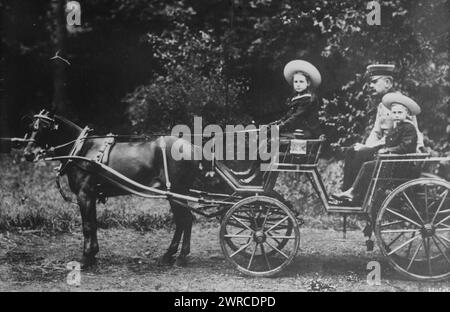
[[383, 122], [402, 139], [302, 113]]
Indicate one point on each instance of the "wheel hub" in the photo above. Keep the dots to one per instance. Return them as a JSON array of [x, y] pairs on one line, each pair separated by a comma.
[[259, 237], [428, 230]]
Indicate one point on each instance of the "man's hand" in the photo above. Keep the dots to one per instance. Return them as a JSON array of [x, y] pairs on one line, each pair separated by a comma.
[[358, 146], [422, 149]]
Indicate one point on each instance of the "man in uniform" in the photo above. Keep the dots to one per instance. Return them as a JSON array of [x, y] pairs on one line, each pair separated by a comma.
[[381, 82]]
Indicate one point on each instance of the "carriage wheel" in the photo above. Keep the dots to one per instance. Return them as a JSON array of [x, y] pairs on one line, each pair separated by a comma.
[[286, 230], [413, 229], [256, 236]]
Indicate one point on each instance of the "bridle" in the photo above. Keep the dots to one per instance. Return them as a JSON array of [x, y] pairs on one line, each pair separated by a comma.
[[51, 124]]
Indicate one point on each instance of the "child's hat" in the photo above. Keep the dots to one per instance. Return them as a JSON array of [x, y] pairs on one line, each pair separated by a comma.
[[304, 67], [397, 98]]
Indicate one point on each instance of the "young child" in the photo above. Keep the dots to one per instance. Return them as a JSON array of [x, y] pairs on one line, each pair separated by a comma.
[[302, 108], [401, 139]]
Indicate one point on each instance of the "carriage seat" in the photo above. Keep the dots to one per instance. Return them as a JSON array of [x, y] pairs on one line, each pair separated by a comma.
[[252, 184]]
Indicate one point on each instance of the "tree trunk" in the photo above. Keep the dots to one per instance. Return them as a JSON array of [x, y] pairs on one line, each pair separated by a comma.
[[59, 36], [4, 111]]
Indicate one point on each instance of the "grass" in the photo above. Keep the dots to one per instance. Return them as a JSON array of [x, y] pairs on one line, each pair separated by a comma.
[[30, 200]]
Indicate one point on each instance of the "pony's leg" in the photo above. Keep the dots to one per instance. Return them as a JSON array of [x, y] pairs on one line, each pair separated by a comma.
[[86, 201], [167, 258], [186, 246]]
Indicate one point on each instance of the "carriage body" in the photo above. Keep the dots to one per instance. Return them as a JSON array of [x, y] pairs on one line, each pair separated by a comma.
[[406, 205]]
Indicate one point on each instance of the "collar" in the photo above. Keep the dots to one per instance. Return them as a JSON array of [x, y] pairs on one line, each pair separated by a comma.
[[300, 96], [403, 122]]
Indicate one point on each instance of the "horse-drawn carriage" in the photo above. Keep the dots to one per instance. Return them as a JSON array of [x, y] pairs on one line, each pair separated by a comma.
[[408, 211]]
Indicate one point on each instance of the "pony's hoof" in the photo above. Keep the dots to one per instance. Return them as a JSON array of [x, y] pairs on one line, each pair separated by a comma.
[[166, 261], [181, 262]]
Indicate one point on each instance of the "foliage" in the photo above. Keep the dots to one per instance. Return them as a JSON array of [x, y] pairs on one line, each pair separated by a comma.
[[192, 82], [256, 38]]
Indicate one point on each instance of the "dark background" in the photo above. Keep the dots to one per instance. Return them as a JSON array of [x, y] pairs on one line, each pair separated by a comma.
[[144, 66]]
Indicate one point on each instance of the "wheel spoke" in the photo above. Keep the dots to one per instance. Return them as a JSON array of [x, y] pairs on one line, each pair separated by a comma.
[[237, 236], [241, 231], [410, 245], [260, 208], [403, 217], [443, 220], [265, 256], [279, 251], [401, 231], [267, 215], [282, 237], [395, 239], [252, 212], [240, 249], [426, 243], [414, 256], [439, 247], [444, 238], [444, 197], [413, 207], [278, 223], [439, 238], [426, 202], [403, 245], [392, 223], [253, 255], [278, 242], [245, 225]]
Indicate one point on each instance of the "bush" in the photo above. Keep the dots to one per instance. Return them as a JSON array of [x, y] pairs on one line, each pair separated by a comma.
[[192, 82]]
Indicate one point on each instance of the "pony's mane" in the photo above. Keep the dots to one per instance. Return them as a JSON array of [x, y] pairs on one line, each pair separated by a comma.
[[68, 122]]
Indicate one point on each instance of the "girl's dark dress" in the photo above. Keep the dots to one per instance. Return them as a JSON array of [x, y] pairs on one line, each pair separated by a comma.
[[302, 113]]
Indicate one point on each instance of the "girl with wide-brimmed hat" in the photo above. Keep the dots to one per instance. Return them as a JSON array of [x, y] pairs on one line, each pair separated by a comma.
[[302, 108]]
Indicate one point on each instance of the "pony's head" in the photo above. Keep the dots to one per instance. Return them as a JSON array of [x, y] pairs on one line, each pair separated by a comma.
[[41, 134]]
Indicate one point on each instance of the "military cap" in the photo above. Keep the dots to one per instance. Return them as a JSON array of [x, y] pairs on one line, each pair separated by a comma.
[[397, 98], [379, 70], [303, 67]]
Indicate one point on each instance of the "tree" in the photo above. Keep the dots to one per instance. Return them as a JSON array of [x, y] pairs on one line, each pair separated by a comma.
[[59, 36]]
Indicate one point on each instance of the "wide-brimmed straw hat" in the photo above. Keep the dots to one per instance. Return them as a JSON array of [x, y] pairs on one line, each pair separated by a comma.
[[397, 98], [303, 67]]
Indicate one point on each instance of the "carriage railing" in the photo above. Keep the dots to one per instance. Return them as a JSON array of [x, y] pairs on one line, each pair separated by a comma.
[[296, 152], [391, 170], [296, 155]]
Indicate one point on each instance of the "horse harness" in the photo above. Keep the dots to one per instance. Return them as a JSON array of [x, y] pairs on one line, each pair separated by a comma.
[[102, 157], [103, 154]]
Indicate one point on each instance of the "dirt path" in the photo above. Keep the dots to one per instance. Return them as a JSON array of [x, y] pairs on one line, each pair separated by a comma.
[[127, 262]]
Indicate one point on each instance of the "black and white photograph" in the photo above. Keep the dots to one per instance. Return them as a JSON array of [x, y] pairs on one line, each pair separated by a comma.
[[225, 151]]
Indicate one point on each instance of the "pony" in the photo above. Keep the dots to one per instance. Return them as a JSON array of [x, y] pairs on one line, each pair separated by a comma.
[[141, 160]]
